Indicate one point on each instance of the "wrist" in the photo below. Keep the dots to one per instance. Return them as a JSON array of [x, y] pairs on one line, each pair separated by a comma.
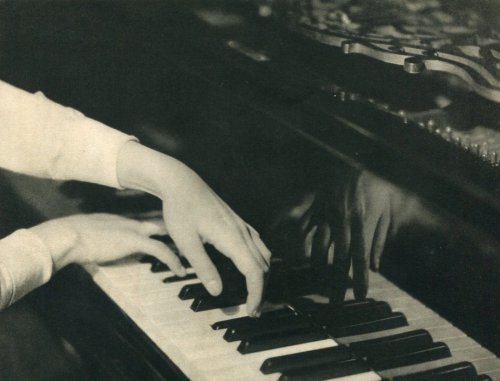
[[60, 239], [144, 169]]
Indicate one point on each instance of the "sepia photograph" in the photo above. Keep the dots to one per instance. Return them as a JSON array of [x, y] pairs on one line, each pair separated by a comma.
[[226, 190]]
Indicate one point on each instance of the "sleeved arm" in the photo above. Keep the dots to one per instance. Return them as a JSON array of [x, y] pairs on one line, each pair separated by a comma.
[[41, 138], [25, 264]]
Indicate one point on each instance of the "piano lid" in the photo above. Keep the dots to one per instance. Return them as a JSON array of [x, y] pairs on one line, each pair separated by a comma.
[[454, 37]]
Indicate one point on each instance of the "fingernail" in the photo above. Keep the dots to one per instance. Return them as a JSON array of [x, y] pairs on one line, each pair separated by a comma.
[[213, 287]]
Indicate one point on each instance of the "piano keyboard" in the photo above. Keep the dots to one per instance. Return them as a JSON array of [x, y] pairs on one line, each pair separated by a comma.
[[390, 336]]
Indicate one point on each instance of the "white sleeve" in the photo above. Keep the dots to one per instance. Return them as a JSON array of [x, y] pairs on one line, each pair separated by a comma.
[[41, 138], [25, 264]]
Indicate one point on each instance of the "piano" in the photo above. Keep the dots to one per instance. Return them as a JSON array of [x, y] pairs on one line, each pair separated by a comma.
[[268, 108]]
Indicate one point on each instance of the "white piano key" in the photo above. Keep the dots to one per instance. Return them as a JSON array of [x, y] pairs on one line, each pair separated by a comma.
[[390, 373], [445, 333], [255, 360], [487, 365], [459, 343], [367, 376], [472, 354], [201, 353]]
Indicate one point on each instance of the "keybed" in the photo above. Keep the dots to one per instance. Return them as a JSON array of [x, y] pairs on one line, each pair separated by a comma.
[[202, 352]]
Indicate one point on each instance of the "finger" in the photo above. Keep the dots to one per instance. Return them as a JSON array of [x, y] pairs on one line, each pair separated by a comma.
[[379, 240], [265, 252], [252, 247], [236, 249], [320, 247], [362, 239], [153, 227], [341, 260], [161, 252], [305, 222], [192, 248], [255, 286], [307, 246]]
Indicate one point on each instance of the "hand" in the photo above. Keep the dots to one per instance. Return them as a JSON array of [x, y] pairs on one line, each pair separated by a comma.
[[103, 238], [195, 215], [367, 213], [351, 220]]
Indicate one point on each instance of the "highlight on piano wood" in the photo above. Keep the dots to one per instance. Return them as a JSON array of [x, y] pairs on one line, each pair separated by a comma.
[[360, 138]]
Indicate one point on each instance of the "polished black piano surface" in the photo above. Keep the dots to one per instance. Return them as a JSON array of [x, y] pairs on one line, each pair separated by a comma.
[[285, 126]]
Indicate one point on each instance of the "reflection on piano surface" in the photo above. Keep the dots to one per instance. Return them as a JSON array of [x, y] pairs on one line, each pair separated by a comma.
[[293, 134]]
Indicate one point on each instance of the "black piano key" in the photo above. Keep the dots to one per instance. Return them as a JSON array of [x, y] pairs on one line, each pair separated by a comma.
[[484, 377], [351, 316], [306, 359], [185, 263], [326, 371], [434, 351], [148, 259], [158, 266], [352, 304], [245, 321], [207, 302], [175, 278], [394, 320], [392, 344], [282, 339], [305, 305], [266, 326], [166, 239], [191, 291], [463, 371]]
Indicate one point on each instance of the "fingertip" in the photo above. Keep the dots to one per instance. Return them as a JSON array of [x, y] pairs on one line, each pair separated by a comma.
[[253, 312], [214, 287], [253, 308], [180, 271], [153, 227], [376, 264], [360, 292]]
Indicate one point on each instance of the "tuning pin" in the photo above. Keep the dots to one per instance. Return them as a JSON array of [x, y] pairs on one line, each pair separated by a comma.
[[475, 148], [484, 149], [457, 140], [466, 143], [265, 11], [402, 115], [448, 132], [494, 158], [354, 96]]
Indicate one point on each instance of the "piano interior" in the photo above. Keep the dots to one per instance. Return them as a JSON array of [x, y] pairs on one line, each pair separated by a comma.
[[293, 111]]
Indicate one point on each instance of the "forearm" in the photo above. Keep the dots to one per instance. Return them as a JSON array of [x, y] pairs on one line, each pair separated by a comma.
[[42, 138], [25, 264]]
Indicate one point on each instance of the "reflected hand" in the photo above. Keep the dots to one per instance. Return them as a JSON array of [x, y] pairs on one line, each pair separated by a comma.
[[349, 222], [363, 214]]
